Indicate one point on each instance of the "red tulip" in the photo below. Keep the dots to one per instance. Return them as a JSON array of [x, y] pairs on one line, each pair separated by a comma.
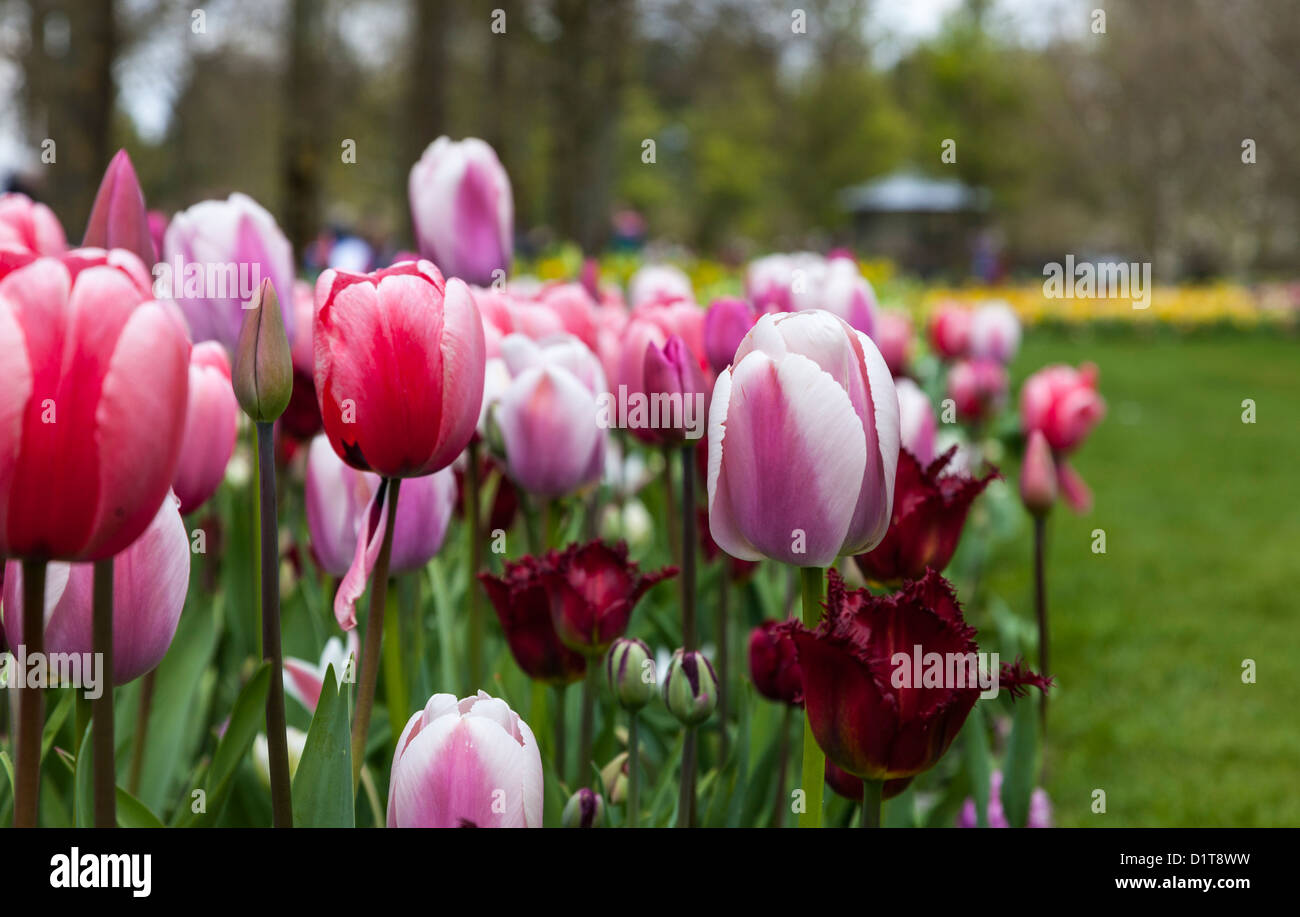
[[211, 427], [93, 395], [930, 507], [118, 218], [850, 787], [866, 719], [774, 664], [399, 367], [950, 329], [524, 610]]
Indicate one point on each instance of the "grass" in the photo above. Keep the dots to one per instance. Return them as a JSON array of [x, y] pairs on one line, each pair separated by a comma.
[[1201, 514]]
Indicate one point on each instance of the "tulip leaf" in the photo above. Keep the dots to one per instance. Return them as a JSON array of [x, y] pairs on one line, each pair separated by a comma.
[[1021, 769], [132, 813], [979, 763], [83, 808], [246, 718], [56, 721], [322, 786]]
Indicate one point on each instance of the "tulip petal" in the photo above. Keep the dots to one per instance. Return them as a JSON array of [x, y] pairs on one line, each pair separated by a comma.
[[370, 538]]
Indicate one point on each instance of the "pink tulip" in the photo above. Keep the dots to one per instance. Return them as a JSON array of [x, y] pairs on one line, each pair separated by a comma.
[[211, 427], [471, 762], [917, 424], [27, 225], [119, 219], [977, 387], [673, 377], [338, 498], [1063, 403], [93, 395], [893, 335], [725, 326], [548, 415], [157, 221], [574, 308], [235, 236], [995, 332], [1038, 475], [844, 292], [150, 579], [659, 284], [654, 324], [803, 443], [399, 367], [463, 210], [774, 282], [950, 330], [303, 680], [505, 312]]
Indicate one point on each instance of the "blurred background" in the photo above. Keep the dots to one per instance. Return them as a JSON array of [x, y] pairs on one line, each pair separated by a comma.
[[776, 125]]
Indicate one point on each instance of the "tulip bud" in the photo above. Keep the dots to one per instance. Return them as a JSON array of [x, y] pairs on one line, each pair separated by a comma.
[[614, 776], [118, 218], [1038, 475], [631, 680], [673, 373], [584, 809], [690, 688], [263, 375]]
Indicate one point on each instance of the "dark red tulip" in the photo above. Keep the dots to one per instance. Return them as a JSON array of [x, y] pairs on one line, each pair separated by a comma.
[[524, 610], [593, 588], [850, 787], [929, 512], [774, 664], [866, 719]]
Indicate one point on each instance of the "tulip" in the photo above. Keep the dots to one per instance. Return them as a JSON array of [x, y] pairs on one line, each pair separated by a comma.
[[157, 222], [466, 763], [690, 688], [263, 372], [850, 787], [118, 218], [301, 419], [1040, 808], [659, 284], [672, 376], [930, 509], [524, 609], [463, 210], [573, 306], [150, 579], [950, 328], [95, 386], [978, 388], [585, 809], [1038, 475], [774, 282], [893, 335], [238, 237], [211, 427], [626, 669], [868, 722], [803, 443], [399, 367], [655, 324], [304, 680], [994, 332], [29, 226], [917, 425], [725, 326], [296, 740], [337, 499], [774, 664], [844, 292], [548, 415], [1063, 403]]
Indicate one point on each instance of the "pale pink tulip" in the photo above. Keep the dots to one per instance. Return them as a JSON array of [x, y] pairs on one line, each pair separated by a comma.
[[303, 680], [211, 427], [659, 284], [893, 335], [995, 332], [917, 424]]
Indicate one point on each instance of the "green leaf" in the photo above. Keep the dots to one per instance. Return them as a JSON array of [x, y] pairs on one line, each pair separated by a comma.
[[56, 720], [132, 813], [1021, 770], [979, 763], [83, 808], [8, 767], [246, 718], [322, 786]]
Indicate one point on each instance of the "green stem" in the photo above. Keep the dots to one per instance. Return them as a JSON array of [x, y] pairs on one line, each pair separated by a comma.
[[686, 798], [783, 768], [276, 727], [394, 676], [814, 761], [688, 549], [141, 730], [31, 701], [561, 755], [1040, 606], [588, 717], [871, 793], [633, 773], [671, 509], [720, 635], [105, 777], [374, 636], [473, 531]]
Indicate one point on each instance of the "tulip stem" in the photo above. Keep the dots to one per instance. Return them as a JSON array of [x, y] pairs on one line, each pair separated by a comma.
[[1040, 606], [686, 800], [561, 692], [141, 729], [31, 701], [633, 772], [103, 732], [814, 761], [871, 795], [276, 736], [374, 636], [588, 716], [670, 510], [688, 549], [783, 767], [720, 635], [472, 529]]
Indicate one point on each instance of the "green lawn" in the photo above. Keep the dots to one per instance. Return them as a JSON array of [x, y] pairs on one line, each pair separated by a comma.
[[1202, 519]]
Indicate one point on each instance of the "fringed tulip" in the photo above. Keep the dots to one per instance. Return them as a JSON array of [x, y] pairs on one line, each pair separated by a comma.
[[774, 664], [917, 425], [238, 239], [211, 427], [30, 226], [850, 787], [930, 508], [725, 326], [471, 763], [118, 218], [94, 384], [463, 210], [994, 332], [150, 579], [523, 607], [399, 367], [803, 443], [1038, 475]]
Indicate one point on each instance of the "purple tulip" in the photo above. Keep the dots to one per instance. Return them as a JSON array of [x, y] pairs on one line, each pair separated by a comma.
[[119, 219], [725, 326]]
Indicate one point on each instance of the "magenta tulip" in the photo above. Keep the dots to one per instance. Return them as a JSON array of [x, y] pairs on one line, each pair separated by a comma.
[[950, 330], [655, 324], [844, 292], [467, 763], [29, 226], [725, 326], [673, 377], [150, 579], [211, 427], [463, 210], [803, 443], [119, 219]]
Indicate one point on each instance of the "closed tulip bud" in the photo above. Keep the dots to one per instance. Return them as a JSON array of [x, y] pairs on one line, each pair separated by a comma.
[[725, 326], [296, 740], [673, 376], [614, 776], [1038, 475], [29, 226], [211, 427], [690, 688], [774, 664], [466, 763], [263, 376], [585, 809], [119, 219], [629, 666], [150, 579]]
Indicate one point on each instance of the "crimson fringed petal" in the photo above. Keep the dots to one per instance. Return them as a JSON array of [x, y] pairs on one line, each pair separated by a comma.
[[1018, 679]]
